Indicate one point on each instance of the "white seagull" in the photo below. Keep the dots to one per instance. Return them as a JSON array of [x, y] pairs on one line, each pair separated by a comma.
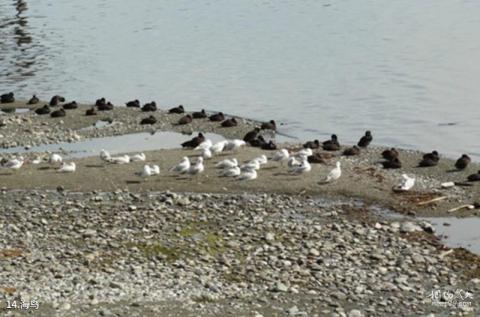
[[140, 157], [146, 172], [248, 174], [105, 155], [155, 169], [124, 159], [407, 183], [204, 145], [304, 167], [293, 162], [14, 163], [262, 159], [334, 174], [206, 153], [227, 163], [234, 145], [197, 168], [304, 153], [67, 167], [281, 156], [218, 147], [37, 160], [252, 165], [55, 158], [230, 172], [181, 167]]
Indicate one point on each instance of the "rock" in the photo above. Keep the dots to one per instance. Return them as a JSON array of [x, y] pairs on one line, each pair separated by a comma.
[[408, 227], [269, 236], [280, 287], [355, 313]]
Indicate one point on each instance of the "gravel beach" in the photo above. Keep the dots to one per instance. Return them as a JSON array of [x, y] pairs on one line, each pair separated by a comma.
[[102, 241]]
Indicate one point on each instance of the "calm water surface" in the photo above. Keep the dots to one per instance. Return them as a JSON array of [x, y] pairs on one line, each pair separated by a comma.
[[404, 69]]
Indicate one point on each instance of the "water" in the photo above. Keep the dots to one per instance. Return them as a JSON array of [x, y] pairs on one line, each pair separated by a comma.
[[460, 232], [404, 69], [135, 142]]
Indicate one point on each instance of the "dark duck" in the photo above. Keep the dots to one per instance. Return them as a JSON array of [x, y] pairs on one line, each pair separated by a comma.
[[217, 117], [474, 177], [315, 144], [251, 135], [390, 154], [365, 140], [392, 164], [56, 100], [429, 159], [199, 114], [185, 119], [133, 104], [354, 150], [70, 105], [193, 143], [258, 142], [91, 112], [151, 106], [7, 98], [103, 105], [33, 101], [462, 162], [58, 113], [270, 125], [43, 110], [332, 144], [178, 109], [230, 123], [269, 146], [149, 120]]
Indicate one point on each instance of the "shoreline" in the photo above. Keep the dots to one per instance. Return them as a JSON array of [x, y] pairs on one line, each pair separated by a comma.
[[110, 226]]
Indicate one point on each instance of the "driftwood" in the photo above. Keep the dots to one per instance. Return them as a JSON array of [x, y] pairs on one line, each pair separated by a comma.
[[444, 254], [432, 200], [468, 206]]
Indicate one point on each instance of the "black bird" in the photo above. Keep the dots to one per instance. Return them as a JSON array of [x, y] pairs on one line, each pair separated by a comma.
[[105, 106], [149, 120], [134, 103], [315, 144], [7, 98], [365, 140], [58, 113], [229, 123], [100, 102], [91, 112], [199, 114], [319, 158], [44, 110], [393, 163], [152, 106], [251, 135], [217, 117], [56, 100], [390, 154], [463, 162], [70, 105], [270, 125], [332, 144], [474, 177], [185, 119], [258, 142], [193, 143], [429, 159], [178, 109], [355, 150], [34, 100], [269, 146]]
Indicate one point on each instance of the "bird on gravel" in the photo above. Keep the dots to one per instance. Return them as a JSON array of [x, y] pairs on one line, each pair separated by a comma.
[[429, 159], [124, 159], [231, 172], [354, 150], [250, 165], [181, 167], [281, 156], [227, 163], [15, 163], [234, 145], [463, 162], [248, 174], [365, 140], [262, 159], [67, 167], [197, 168], [55, 158], [194, 142], [304, 167], [205, 144], [138, 157], [334, 174], [407, 183], [105, 155]]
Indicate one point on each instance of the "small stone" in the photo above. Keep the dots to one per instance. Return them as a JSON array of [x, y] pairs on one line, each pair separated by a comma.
[[280, 287], [314, 252], [66, 306], [132, 208], [355, 313], [269, 236]]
